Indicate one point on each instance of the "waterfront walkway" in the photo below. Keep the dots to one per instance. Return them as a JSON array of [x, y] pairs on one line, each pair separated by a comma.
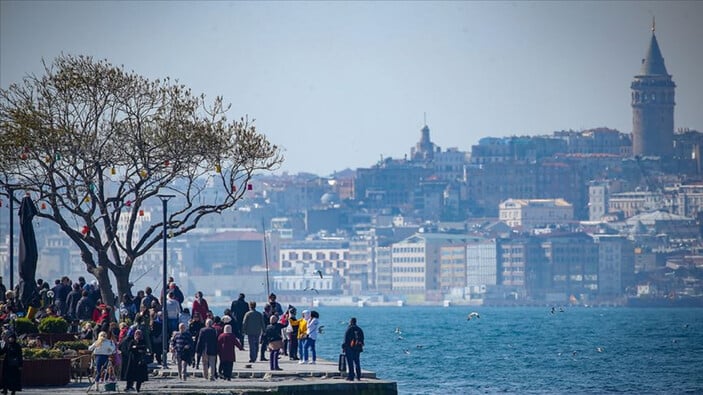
[[248, 378]]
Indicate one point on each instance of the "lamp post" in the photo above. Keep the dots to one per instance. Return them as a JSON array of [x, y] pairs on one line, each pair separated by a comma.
[[164, 316], [11, 194]]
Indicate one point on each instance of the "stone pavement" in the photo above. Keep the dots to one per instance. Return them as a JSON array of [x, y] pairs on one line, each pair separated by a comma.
[[248, 378]]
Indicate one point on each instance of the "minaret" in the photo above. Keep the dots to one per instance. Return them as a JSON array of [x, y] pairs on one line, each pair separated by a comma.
[[653, 105]]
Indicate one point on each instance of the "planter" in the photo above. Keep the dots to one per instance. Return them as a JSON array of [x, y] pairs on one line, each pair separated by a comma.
[[49, 339], [45, 372]]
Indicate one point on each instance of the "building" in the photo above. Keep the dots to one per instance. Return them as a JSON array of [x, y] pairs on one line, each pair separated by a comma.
[[481, 266], [416, 262], [531, 213], [653, 106]]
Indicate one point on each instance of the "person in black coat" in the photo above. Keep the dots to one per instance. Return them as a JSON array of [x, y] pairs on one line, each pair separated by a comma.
[[353, 346], [238, 309], [137, 352], [12, 365]]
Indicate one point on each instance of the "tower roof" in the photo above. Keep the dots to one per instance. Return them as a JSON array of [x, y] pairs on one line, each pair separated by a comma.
[[653, 63]]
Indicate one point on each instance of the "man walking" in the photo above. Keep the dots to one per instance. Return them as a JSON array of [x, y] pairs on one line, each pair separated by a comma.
[[253, 327], [353, 346], [207, 348]]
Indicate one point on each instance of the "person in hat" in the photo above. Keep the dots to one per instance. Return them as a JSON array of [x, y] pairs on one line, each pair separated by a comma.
[[12, 365], [276, 308]]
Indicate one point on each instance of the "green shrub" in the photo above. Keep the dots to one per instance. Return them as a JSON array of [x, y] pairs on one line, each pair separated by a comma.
[[41, 353], [72, 345], [53, 325], [25, 326]]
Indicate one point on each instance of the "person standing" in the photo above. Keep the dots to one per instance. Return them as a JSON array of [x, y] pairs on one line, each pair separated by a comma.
[[292, 332], [352, 346], [137, 352], [253, 327], [313, 326], [200, 305], [173, 310], [274, 340], [3, 289], [238, 309], [207, 348], [302, 334], [182, 346], [12, 365], [226, 343]]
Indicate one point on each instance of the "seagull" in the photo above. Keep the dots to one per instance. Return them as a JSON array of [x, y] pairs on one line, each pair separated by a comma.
[[397, 330], [319, 273], [419, 346], [400, 337], [600, 349], [553, 310], [473, 315], [321, 329], [406, 351], [311, 289]]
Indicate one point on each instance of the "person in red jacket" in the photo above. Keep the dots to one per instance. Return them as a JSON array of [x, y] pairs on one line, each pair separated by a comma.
[[200, 305]]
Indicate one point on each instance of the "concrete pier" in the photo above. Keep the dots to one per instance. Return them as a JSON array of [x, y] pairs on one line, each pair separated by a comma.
[[248, 378]]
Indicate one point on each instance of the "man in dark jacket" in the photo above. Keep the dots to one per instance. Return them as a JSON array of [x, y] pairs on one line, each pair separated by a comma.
[[85, 307], [207, 348], [72, 300], [353, 345], [238, 309]]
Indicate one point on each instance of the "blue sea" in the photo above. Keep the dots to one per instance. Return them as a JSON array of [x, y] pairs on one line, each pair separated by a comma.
[[526, 350]]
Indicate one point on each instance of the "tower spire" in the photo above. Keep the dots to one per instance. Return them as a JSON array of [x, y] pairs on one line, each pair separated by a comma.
[[654, 24]]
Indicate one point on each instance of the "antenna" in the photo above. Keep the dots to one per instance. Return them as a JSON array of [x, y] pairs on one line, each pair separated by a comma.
[[654, 24], [424, 117]]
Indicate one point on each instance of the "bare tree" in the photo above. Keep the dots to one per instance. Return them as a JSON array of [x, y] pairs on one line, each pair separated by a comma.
[[91, 143]]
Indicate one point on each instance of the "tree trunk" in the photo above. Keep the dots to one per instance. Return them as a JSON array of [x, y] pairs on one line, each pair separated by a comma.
[[123, 284], [106, 292]]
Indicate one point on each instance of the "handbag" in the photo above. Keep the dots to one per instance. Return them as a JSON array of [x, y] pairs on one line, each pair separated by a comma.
[[275, 345], [342, 365]]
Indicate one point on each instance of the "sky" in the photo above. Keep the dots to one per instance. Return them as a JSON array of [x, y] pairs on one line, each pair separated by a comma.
[[340, 84]]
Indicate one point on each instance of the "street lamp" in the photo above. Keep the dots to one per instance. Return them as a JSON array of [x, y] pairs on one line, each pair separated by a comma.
[[164, 317], [11, 194]]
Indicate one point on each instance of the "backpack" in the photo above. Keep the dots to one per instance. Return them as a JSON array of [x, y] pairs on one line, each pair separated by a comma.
[[357, 342]]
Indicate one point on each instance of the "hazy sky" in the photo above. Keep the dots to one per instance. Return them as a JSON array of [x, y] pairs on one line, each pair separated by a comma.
[[338, 84]]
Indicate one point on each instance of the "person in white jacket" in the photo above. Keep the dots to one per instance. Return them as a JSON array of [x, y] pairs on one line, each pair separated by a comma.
[[311, 332], [102, 349]]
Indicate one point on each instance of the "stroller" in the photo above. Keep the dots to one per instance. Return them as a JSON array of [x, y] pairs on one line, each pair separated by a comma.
[[107, 377]]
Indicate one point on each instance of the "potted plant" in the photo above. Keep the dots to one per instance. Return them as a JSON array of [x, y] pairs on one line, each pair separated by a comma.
[[24, 326], [54, 329]]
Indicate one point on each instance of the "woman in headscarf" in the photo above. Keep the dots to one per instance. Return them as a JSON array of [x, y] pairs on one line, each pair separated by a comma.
[[226, 342], [136, 361], [12, 365]]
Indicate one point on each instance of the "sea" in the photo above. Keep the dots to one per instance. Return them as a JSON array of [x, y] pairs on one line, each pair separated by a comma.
[[525, 350]]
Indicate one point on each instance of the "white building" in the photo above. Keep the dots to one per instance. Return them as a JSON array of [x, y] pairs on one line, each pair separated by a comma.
[[531, 213]]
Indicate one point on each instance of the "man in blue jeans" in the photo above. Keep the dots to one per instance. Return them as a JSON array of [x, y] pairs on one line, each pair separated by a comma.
[[353, 346]]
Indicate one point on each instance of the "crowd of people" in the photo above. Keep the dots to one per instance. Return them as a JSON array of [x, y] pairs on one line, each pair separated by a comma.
[[129, 336]]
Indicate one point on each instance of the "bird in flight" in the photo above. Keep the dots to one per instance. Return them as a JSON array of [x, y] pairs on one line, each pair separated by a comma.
[[318, 272], [472, 315], [312, 289]]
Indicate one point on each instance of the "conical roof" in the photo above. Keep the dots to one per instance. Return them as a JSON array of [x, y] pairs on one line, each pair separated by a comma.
[[653, 63]]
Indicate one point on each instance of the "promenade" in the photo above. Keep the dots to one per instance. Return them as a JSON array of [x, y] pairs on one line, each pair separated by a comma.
[[248, 378]]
